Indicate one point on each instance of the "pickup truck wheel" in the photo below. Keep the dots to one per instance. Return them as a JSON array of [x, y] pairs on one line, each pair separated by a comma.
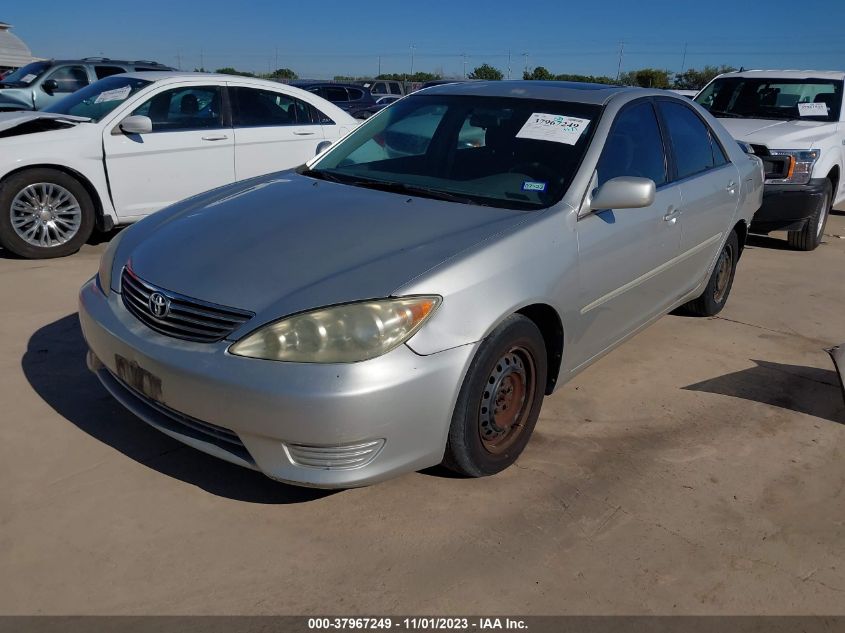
[[718, 287], [808, 238], [44, 213], [499, 401]]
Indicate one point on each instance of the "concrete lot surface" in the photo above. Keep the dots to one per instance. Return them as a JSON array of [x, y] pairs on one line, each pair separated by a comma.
[[697, 469]]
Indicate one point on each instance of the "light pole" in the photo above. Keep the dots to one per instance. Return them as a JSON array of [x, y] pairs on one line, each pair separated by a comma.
[[412, 59]]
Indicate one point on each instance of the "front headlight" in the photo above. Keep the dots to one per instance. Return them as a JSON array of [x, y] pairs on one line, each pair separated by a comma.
[[341, 334], [106, 264], [800, 168]]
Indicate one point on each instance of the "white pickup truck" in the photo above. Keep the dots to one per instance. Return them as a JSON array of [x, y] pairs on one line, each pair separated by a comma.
[[792, 120]]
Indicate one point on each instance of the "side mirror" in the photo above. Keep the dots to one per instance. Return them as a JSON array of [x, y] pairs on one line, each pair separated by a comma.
[[50, 86], [136, 125], [322, 146], [624, 192]]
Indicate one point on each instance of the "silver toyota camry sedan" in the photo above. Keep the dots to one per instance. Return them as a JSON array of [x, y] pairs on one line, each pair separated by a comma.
[[410, 296]]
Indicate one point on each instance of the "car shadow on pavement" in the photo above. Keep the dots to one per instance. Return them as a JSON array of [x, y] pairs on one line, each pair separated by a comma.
[[764, 241], [54, 364], [807, 390]]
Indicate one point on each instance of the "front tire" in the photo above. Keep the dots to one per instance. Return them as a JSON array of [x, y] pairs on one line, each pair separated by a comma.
[[500, 400], [718, 287], [44, 213], [808, 238]]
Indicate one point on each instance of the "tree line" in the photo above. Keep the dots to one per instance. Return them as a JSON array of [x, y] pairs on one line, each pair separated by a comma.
[[690, 79]]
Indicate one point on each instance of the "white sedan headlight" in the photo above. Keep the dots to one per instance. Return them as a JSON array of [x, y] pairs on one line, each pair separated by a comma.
[[800, 168], [341, 334]]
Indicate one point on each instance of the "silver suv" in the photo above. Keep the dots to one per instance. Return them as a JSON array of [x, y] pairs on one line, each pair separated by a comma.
[[40, 84]]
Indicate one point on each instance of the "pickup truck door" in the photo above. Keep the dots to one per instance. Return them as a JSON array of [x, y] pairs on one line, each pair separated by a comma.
[[710, 187], [190, 150]]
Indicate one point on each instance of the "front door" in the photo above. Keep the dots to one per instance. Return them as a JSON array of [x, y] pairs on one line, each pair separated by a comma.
[[626, 257], [273, 131], [190, 150]]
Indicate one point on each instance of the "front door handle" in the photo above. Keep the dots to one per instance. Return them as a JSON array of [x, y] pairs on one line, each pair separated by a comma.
[[672, 215], [299, 133], [215, 137], [731, 188]]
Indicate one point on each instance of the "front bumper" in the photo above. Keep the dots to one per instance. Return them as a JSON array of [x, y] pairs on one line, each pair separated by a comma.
[[284, 415], [788, 207]]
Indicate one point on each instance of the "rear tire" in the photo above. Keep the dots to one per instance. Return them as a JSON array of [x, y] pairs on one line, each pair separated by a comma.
[[499, 401], [808, 238], [718, 287], [44, 213]]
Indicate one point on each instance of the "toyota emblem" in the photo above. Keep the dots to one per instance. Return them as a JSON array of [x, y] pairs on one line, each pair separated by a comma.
[[159, 305]]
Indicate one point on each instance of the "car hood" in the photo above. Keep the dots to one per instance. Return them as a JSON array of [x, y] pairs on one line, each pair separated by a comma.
[[838, 355], [15, 97], [286, 243], [794, 134], [25, 120]]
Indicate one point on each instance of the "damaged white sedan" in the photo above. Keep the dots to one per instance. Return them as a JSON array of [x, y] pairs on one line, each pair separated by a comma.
[[131, 144]]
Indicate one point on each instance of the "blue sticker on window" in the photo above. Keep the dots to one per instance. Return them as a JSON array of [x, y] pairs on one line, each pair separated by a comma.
[[529, 185]]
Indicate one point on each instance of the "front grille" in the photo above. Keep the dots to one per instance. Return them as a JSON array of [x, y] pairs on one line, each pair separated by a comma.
[[186, 318], [161, 415]]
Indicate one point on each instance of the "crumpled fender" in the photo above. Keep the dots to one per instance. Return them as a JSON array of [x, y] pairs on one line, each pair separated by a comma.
[[838, 355]]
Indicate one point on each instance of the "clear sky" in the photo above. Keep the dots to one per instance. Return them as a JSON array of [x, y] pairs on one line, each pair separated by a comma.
[[327, 38]]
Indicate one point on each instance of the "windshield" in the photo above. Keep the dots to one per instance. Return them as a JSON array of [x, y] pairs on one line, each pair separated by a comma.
[[25, 75], [504, 152], [783, 99], [100, 98]]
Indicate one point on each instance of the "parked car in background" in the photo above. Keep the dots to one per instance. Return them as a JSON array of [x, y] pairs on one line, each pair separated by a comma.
[[354, 99], [130, 144], [793, 120], [387, 100], [384, 87], [361, 317], [43, 83]]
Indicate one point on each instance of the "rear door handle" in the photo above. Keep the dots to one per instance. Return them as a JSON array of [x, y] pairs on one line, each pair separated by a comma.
[[672, 215], [731, 188], [304, 133], [215, 137]]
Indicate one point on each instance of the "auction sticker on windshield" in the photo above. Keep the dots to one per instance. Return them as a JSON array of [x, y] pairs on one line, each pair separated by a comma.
[[118, 94], [553, 127], [812, 109]]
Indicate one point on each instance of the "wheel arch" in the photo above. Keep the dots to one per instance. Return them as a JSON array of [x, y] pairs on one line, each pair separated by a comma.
[[548, 321], [102, 221], [833, 176], [741, 230]]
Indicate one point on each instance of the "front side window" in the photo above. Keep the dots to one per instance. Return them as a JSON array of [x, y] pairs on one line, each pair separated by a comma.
[[504, 152], [254, 107], [100, 98], [179, 109], [690, 139], [69, 78], [634, 147], [780, 99], [395, 89], [379, 88]]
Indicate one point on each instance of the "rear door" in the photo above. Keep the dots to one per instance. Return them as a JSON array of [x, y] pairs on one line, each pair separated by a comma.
[[273, 131], [190, 150], [627, 270], [709, 185]]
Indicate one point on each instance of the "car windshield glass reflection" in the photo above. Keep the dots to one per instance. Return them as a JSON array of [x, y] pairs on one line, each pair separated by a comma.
[[511, 153], [100, 98]]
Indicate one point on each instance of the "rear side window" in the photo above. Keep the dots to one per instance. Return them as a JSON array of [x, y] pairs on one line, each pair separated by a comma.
[[319, 117], [334, 94], [107, 71], [690, 138], [395, 89], [254, 107], [355, 94], [634, 147]]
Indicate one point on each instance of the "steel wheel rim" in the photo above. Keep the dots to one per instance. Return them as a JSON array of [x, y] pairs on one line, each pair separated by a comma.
[[822, 216], [723, 275], [45, 214], [506, 401]]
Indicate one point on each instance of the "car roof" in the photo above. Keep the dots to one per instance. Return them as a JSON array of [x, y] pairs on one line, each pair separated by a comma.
[[339, 84], [105, 61], [176, 75], [571, 91], [788, 74]]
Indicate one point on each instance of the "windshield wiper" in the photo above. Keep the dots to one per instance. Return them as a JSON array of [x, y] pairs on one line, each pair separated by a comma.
[[726, 114]]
